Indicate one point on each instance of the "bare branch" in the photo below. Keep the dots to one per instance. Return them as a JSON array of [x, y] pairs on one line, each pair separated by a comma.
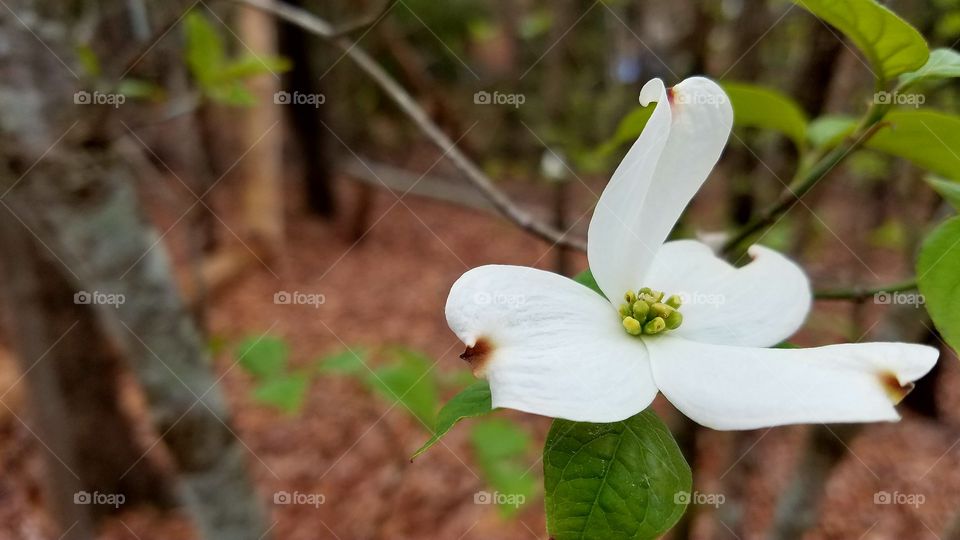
[[365, 22], [807, 178], [864, 293], [409, 106]]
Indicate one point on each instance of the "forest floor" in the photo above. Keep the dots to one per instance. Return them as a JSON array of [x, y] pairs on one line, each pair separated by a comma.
[[353, 447]]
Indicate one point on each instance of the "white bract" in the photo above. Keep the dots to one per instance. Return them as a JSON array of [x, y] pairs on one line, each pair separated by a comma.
[[561, 350]]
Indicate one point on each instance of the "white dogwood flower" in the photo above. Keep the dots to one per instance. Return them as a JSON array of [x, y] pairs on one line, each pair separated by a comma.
[[676, 318]]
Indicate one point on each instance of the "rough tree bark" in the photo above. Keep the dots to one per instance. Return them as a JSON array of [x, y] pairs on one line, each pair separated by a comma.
[[71, 193], [81, 370], [36, 335]]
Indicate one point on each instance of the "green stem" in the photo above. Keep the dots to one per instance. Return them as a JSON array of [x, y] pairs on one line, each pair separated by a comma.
[[807, 177], [863, 293]]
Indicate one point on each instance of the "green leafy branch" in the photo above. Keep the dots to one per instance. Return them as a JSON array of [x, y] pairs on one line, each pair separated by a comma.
[[219, 77], [499, 446], [865, 293]]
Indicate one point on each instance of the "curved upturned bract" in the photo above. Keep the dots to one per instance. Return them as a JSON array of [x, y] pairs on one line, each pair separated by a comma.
[[661, 172]]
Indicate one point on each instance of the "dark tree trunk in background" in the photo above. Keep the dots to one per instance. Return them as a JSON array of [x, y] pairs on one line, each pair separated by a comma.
[[810, 88], [306, 121], [695, 44]]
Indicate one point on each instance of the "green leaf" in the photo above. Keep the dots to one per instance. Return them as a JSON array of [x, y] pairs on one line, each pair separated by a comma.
[[285, 392], [231, 93], [948, 26], [950, 191], [408, 382], [628, 130], [263, 357], [939, 280], [892, 234], [943, 64], [205, 50], [500, 448], [251, 66], [88, 60], [348, 362], [928, 139], [764, 108], [586, 278], [139, 89], [828, 131], [891, 45], [472, 401], [621, 481], [216, 344]]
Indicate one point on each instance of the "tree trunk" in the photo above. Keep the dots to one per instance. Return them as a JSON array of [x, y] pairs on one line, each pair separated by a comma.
[[67, 188], [799, 506], [261, 167], [306, 120], [36, 335]]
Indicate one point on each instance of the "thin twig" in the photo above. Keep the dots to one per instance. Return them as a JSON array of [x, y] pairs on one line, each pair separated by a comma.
[[808, 177], [857, 293], [365, 22], [409, 106]]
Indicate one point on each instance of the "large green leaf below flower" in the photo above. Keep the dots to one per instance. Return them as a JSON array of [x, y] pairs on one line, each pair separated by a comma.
[[619, 481]]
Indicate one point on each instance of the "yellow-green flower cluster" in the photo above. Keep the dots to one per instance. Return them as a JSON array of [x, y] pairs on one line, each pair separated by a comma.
[[647, 312]]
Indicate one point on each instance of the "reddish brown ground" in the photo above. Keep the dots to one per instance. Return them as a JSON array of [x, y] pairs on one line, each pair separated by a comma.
[[352, 447]]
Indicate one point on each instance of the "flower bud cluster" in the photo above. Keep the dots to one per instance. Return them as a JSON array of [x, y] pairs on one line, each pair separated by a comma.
[[647, 312]]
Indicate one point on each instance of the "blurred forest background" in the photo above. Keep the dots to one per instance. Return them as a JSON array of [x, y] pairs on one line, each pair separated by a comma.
[[228, 229]]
